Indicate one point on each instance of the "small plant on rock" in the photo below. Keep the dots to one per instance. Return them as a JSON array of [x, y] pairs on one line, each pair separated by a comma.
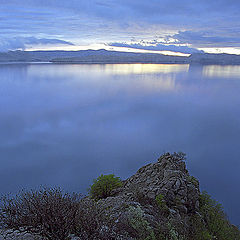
[[141, 226], [193, 180], [215, 219], [176, 156], [161, 203], [179, 156], [173, 233], [102, 186]]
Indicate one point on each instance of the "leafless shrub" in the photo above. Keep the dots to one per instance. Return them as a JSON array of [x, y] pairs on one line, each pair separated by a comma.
[[94, 221], [47, 212]]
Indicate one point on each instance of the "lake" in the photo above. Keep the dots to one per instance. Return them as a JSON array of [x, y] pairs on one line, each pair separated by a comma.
[[63, 125]]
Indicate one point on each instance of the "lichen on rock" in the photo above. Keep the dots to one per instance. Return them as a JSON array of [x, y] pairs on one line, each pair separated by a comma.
[[160, 201], [167, 177]]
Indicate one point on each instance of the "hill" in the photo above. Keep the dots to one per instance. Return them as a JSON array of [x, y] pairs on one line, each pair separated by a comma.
[[104, 56]]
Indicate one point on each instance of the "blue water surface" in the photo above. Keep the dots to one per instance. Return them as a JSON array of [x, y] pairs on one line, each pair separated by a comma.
[[63, 125]]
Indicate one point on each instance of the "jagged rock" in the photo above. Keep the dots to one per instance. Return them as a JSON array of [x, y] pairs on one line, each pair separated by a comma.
[[161, 198], [167, 177], [9, 235], [136, 200]]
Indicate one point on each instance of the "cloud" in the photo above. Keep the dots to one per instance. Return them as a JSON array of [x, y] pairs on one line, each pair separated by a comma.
[[202, 38], [96, 21], [157, 47], [21, 43]]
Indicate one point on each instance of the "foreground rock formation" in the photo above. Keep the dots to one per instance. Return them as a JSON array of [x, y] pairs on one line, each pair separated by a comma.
[[161, 201], [163, 194]]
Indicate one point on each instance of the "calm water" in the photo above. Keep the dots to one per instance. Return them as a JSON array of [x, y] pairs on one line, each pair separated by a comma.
[[66, 124]]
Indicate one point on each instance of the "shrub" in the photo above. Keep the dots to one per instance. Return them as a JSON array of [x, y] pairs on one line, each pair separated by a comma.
[[198, 230], [215, 219], [48, 213], [102, 186], [176, 156], [179, 156], [173, 233], [94, 221], [193, 180], [140, 226], [161, 203]]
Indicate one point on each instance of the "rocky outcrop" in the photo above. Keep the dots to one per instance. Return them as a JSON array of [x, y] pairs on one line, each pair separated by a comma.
[[161, 201], [160, 194], [168, 177]]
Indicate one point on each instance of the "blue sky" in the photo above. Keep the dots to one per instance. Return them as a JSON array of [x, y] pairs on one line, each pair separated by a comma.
[[184, 26]]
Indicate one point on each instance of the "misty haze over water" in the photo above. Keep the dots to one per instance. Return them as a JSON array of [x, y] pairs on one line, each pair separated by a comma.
[[63, 125]]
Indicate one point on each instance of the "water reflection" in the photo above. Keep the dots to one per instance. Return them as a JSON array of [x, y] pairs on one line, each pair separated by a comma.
[[144, 68], [66, 124], [111, 69], [230, 71], [110, 75]]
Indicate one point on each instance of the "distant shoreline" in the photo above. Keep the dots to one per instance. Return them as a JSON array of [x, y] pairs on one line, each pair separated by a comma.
[[117, 63], [113, 57]]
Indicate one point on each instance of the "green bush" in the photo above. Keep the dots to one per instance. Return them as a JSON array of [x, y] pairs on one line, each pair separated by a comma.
[[141, 226], [193, 180], [102, 186], [198, 230], [161, 203], [173, 233], [215, 219]]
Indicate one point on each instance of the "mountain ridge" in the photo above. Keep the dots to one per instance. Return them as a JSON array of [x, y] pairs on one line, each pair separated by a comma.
[[105, 56]]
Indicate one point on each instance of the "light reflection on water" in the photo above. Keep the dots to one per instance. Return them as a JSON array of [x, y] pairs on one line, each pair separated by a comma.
[[111, 69], [225, 71], [66, 124]]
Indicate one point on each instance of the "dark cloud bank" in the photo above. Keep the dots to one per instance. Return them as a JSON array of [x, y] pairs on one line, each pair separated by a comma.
[[203, 38], [198, 24], [158, 47], [21, 42]]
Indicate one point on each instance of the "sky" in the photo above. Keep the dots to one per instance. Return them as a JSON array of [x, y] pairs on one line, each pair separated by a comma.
[[185, 26]]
